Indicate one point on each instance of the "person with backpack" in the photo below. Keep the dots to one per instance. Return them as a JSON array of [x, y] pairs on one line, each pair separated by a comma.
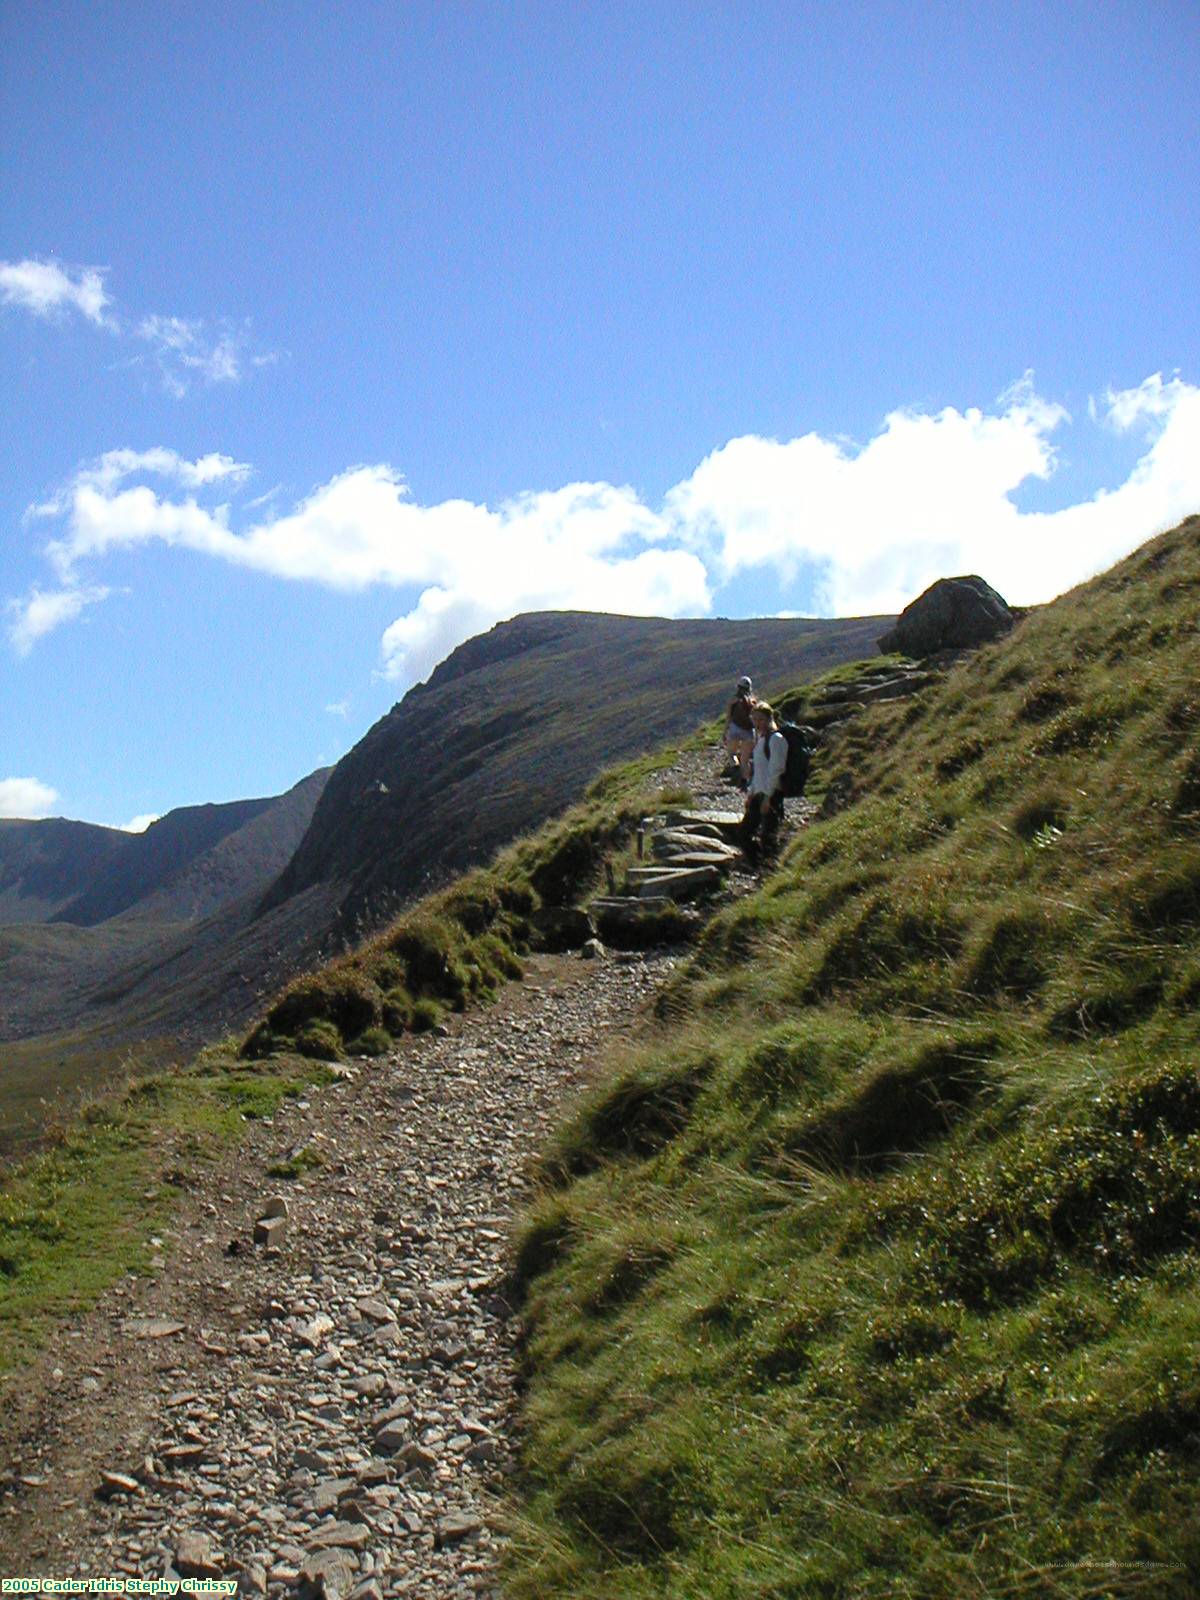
[[739, 731], [764, 803], [782, 756]]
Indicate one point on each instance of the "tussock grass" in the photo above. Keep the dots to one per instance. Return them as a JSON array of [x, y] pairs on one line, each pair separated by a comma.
[[459, 947], [873, 1269]]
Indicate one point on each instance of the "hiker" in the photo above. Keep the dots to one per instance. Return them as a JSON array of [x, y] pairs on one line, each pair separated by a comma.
[[739, 732], [764, 803]]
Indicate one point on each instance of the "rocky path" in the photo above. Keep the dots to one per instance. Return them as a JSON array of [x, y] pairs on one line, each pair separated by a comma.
[[331, 1415]]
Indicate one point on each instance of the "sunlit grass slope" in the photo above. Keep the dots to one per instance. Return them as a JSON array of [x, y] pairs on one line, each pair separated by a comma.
[[874, 1270]]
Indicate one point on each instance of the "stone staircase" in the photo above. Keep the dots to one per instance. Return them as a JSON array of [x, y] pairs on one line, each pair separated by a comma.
[[683, 856]]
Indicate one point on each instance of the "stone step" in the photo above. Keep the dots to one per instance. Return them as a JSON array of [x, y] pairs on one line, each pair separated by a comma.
[[897, 688], [627, 904], [726, 823], [680, 885], [673, 840], [703, 858]]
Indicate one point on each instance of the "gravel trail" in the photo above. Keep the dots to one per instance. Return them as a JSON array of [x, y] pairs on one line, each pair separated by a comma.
[[331, 1415]]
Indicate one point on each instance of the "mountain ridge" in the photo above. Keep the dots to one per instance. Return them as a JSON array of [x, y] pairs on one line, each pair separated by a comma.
[[508, 730]]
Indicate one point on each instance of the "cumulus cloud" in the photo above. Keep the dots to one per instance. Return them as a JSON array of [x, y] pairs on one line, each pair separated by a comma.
[[865, 527], [26, 797], [584, 545], [141, 823], [1150, 401], [47, 289], [931, 494]]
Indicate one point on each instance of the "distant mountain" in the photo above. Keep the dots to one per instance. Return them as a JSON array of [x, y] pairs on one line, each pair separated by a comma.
[[85, 910], [46, 865], [179, 937], [240, 862], [512, 726]]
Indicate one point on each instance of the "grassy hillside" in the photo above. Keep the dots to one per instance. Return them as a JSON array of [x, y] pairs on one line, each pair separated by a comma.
[[873, 1270]]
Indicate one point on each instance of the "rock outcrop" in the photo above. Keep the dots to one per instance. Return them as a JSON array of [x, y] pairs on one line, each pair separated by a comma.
[[952, 614]]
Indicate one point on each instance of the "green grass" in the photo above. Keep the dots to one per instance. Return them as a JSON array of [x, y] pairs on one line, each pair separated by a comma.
[[872, 1270], [81, 1212]]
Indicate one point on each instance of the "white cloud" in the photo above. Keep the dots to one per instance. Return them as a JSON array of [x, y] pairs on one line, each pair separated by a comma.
[[141, 823], [42, 611], [183, 350], [47, 289], [26, 797], [930, 494], [587, 545], [1151, 401], [339, 708], [186, 349]]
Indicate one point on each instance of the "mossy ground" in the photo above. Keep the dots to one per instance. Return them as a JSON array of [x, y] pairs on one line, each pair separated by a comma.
[[873, 1269]]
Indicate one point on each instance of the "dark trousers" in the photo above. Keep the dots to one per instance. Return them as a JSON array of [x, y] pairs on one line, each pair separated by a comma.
[[761, 822]]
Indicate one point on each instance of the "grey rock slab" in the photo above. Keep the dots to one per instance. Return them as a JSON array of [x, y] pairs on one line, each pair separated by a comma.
[[391, 1437], [341, 1536], [369, 1385], [117, 1483], [313, 1332], [269, 1231], [326, 1495], [375, 1310], [455, 1527], [195, 1556], [680, 885], [151, 1327], [326, 1575]]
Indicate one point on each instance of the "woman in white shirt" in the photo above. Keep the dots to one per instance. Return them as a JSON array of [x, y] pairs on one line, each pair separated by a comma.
[[764, 804]]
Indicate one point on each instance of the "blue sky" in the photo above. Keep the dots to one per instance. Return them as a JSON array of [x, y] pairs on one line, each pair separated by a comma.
[[331, 335]]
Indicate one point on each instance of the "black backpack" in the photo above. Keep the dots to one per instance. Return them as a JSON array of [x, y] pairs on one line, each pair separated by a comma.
[[800, 743]]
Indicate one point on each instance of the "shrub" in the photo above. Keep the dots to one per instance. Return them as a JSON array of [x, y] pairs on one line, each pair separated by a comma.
[[1168, 897], [1011, 955], [320, 1041], [431, 953], [342, 995], [902, 1107], [636, 1116], [397, 1010], [371, 1042], [1039, 812], [541, 1242], [656, 925], [426, 1014], [884, 939]]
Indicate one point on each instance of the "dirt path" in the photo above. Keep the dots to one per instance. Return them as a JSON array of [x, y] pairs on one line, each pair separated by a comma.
[[333, 1414]]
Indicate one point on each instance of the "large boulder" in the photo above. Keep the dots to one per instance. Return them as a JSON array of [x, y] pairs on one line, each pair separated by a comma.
[[952, 614]]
